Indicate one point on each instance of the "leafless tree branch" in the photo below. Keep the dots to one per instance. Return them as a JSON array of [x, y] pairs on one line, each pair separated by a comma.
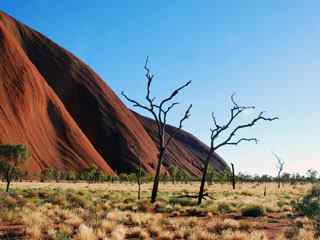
[[173, 94], [252, 123], [242, 140], [185, 117]]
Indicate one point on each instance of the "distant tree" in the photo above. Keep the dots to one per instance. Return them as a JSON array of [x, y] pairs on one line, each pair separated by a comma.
[[92, 174], [59, 175], [47, 174], [210, 174], [221, 177], [159, 112], [20, 175], [182, 176], [123, 177], [71, 176], [280, 165], [140, 176], [148, 178], [173, 173], [266, 178], [132, 177], [286, 177], [219, 129], [114, 179], [11, 156], [312, 175]]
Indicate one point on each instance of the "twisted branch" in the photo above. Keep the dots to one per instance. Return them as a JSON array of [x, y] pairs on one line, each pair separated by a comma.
[[235, 112]]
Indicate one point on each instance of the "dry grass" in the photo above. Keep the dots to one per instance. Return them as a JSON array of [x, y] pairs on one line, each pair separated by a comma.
[[82, 211]]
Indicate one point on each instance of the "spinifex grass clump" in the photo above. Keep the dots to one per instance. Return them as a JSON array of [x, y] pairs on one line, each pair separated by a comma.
[[309, 206], [253, 211], [310, 203]]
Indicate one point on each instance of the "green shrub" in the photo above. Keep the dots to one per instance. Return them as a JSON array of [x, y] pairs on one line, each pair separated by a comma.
[[144, 206], [224, 208], [28, 193], [61, 236], [162, 208], [253, 211], [181, 201], [10, 200], [55, 197], [309, 206], [282, 203], [75, 200]]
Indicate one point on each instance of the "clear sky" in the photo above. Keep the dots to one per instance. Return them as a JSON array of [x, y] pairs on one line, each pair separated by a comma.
[[266, 51]]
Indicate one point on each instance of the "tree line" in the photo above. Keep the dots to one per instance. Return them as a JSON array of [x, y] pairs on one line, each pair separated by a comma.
[[176, 175]]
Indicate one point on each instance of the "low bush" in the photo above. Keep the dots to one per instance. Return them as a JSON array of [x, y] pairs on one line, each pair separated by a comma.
[[224, 208], [253, 211], [182, 201], [309, 206]]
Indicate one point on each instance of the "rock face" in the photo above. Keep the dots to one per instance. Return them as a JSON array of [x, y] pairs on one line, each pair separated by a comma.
[[31, 113], [67, 115]]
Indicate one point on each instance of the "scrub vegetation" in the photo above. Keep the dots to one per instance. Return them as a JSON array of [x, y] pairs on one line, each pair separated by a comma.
[[111, 210]]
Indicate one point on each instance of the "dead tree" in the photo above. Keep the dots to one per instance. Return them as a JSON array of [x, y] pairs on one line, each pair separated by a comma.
[[233, 177], [280, 168], [159, 113], [139, 180], [218, 130]]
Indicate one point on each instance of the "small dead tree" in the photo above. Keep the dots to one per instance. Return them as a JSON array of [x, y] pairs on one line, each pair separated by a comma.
[[139, 180], [280, 165], [218, 130], [159, 113], [233, 177]]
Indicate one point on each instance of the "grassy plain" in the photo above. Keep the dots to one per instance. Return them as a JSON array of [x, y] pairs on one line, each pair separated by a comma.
[[85, 211]]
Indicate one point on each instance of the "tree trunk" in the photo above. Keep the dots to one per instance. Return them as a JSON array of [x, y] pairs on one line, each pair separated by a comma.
[[8, 185], [233, 178], [203, 180], [279, 182], [8, 177], [139, 180], [157, 177], [139, 189], [8, 182]]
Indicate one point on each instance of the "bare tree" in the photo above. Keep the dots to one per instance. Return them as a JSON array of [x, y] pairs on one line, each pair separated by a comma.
[[159, 113], [233, 177], [280, 165], [139, 180], [218, 130]]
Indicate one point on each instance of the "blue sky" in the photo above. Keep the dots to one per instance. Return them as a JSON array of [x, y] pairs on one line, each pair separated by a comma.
[[265, 51]]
